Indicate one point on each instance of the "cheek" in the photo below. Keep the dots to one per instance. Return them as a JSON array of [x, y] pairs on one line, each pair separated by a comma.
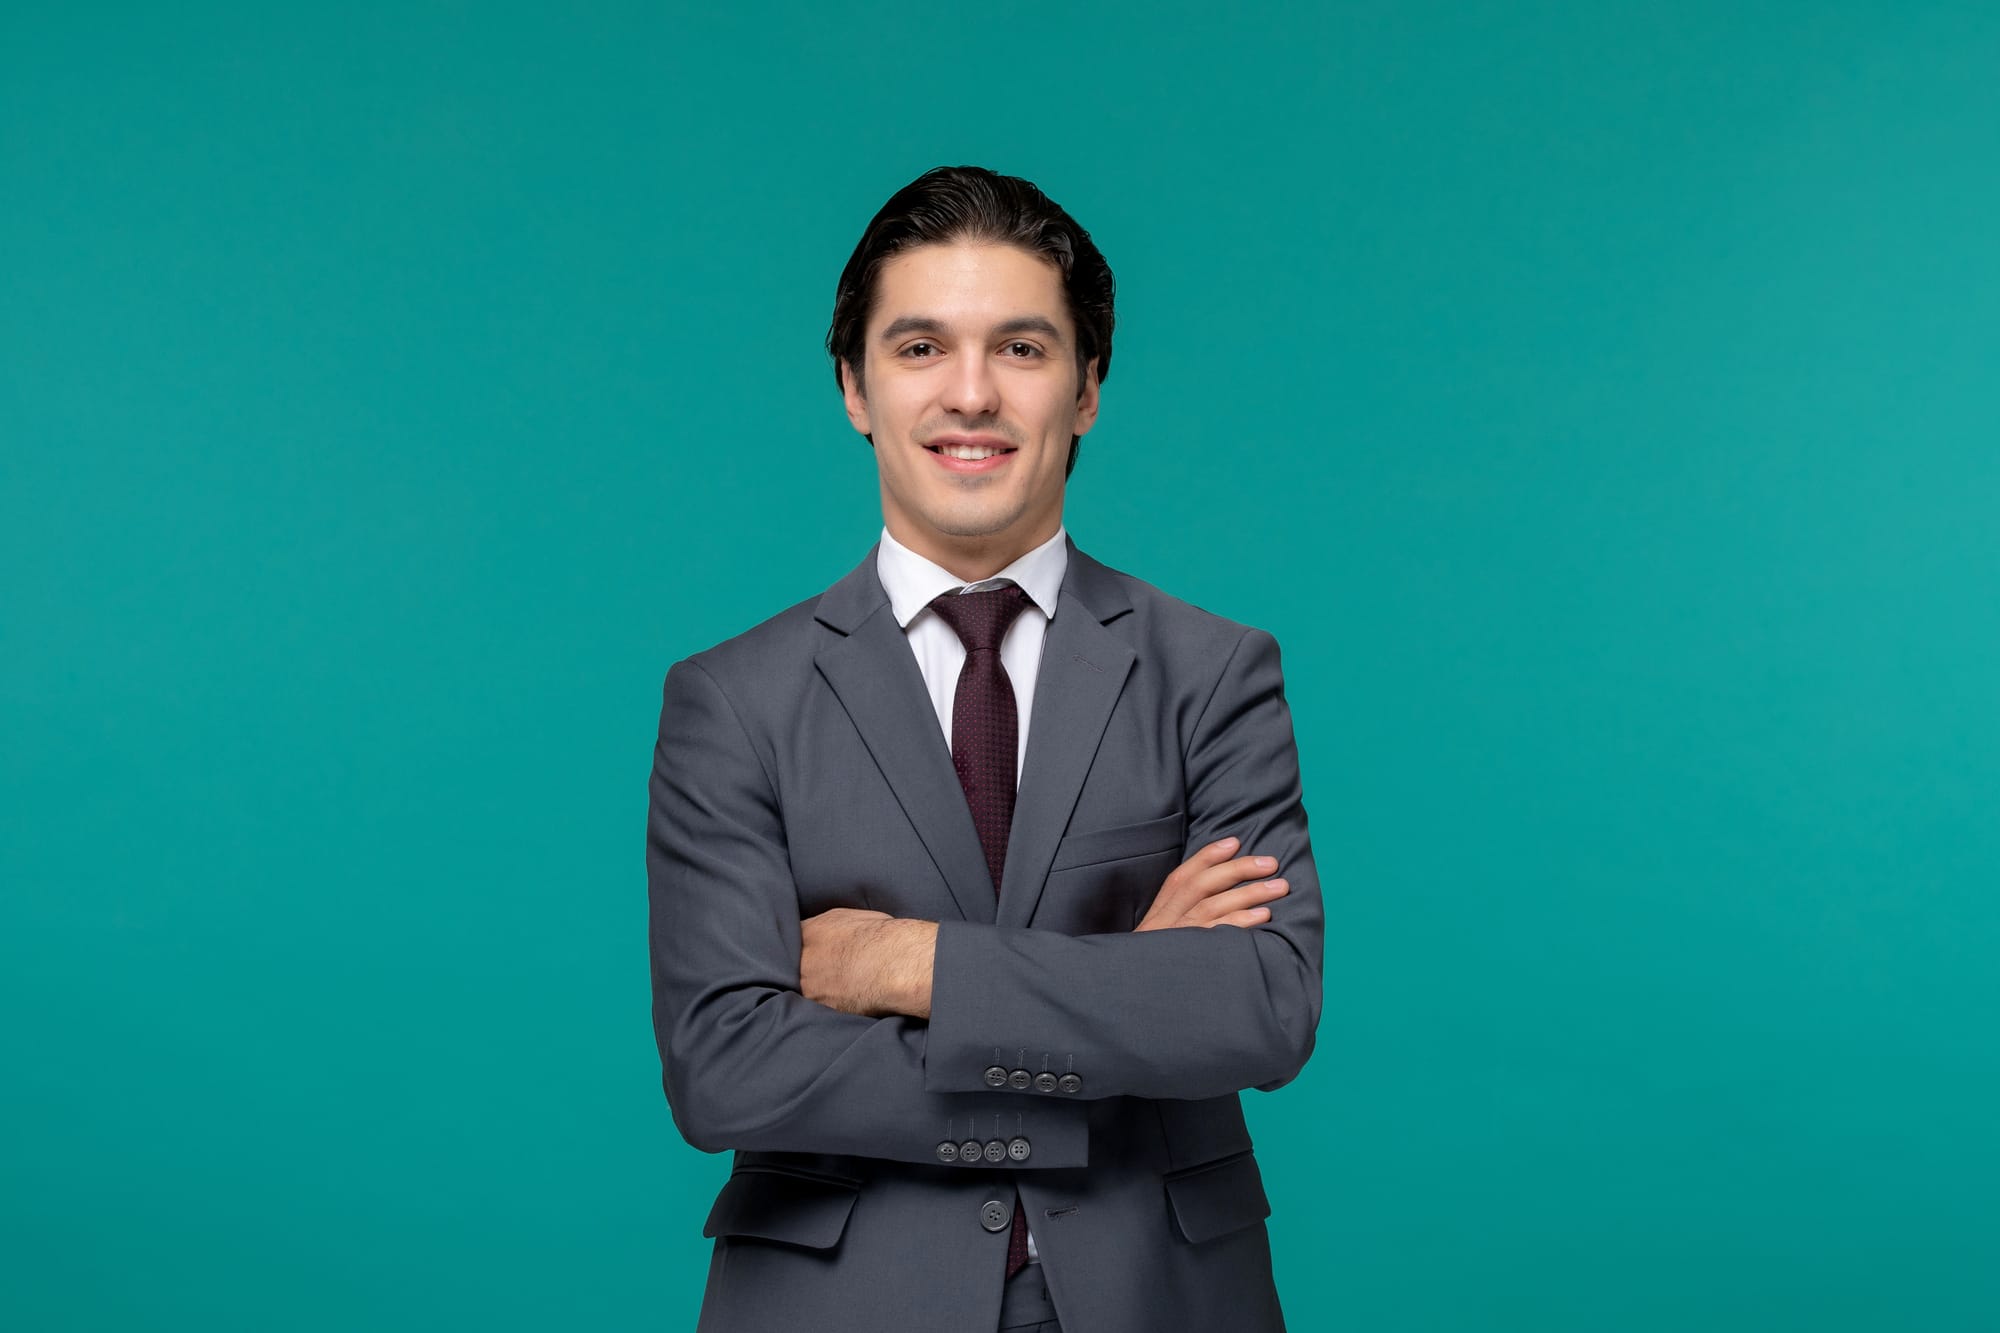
[[1058, 415]]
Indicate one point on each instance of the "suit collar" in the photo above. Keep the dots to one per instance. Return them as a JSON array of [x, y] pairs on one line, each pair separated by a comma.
[[848, 603], [913, 582], [1083, 669]]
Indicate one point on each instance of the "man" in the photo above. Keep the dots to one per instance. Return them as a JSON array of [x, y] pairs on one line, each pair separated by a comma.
[[929, 951]]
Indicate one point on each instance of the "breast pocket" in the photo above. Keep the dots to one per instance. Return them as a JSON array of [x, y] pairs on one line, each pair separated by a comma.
[[1102, 880], [790, 1207], [1088, 847]]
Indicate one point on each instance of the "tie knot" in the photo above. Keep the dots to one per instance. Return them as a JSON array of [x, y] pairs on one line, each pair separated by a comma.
[[980, 619]]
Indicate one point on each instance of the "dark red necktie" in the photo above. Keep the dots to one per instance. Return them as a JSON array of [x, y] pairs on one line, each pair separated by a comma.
[[985, 740]]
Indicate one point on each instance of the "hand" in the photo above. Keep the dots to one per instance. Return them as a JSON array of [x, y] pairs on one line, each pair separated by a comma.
[[867, 963], [1204, 891]]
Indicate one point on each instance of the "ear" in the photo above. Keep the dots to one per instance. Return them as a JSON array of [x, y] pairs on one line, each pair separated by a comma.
[[1086, 400], [857, 406]]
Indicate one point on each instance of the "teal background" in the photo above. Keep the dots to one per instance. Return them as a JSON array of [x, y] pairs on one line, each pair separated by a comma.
[[1597, 400]]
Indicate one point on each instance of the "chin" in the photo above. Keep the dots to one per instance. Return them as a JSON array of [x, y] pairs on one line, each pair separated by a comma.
[[973, 525], [972, 515]]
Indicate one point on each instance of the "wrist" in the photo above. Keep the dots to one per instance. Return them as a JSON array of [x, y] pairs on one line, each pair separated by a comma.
[[913, 943]]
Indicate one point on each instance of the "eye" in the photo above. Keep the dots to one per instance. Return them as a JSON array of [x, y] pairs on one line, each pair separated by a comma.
[[914, 348], [1024, 349]]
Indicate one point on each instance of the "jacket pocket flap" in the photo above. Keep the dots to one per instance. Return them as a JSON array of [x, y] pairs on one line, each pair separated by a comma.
[[1120, 841], [780, 1206], [1218, 1197]]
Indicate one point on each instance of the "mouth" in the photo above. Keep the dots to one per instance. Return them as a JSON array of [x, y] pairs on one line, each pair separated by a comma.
[[962, 455]]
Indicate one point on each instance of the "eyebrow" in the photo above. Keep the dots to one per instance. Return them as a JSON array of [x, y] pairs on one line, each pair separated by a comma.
[[937, 328]]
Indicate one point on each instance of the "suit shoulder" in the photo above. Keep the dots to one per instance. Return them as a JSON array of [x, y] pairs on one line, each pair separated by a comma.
[[769, 651], [1189, 629]]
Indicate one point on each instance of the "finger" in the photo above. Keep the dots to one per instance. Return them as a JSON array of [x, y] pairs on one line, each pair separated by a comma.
[[1236, 900], [1203, 857], [1184, 892], [1251, 916], [1219, 850], [1229, 874], [1180, 887]]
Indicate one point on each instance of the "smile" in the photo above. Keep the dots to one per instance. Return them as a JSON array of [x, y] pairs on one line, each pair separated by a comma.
[[969, 458], [969, 452]]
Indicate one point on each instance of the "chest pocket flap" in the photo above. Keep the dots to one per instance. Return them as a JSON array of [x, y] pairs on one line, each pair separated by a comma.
[[794, 1209], [1089, 847]]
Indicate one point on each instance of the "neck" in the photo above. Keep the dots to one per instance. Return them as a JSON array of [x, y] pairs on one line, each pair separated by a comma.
[[973, 559]]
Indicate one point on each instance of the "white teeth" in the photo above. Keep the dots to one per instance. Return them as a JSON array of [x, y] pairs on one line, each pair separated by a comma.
[[969, 452]]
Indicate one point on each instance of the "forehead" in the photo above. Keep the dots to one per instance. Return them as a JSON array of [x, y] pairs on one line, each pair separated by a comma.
[[973, 284]]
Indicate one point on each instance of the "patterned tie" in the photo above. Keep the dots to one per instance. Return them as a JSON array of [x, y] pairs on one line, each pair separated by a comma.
[[985, 740]]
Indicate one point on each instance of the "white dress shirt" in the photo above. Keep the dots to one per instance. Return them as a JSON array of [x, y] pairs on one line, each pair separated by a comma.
[[912, 582]]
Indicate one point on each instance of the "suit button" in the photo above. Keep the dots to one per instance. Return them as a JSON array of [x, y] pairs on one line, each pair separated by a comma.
[[969, 1150], [947, 1152], [1019, 1080], [995, 1215], [996, 1151], [1045, 1082], [1069, 1083], [996, 1076], [1017, 1149]]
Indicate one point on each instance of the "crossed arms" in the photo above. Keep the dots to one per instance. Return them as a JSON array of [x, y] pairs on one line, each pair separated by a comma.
[[871, 963], [752, 1060]]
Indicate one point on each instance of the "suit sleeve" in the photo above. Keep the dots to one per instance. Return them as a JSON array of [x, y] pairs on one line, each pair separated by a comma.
[[1187, 1013], [747, 1061]]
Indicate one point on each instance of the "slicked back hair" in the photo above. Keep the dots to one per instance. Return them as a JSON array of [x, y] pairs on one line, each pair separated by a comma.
[[948, 204]]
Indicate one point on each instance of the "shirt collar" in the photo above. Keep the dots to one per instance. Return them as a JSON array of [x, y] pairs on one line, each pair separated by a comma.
[[912, 582]]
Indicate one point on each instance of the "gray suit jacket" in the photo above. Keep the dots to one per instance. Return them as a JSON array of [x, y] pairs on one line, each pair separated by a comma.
[[800, 767]]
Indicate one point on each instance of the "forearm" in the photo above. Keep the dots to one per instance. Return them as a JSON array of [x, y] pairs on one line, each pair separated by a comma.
[[867, 963], [1182, 1014], [761, 1069]]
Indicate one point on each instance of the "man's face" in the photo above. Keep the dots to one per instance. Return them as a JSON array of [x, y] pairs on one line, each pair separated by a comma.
[[970, 349]]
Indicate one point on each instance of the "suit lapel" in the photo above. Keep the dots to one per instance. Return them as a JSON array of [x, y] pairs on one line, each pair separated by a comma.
[[1083, 669], [1082, 673], [874, 674]]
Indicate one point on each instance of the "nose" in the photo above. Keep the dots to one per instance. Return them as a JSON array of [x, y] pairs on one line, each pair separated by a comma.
[[971, 389]]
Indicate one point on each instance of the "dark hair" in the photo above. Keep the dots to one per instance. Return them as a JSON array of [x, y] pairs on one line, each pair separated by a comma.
[[971, 203]]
